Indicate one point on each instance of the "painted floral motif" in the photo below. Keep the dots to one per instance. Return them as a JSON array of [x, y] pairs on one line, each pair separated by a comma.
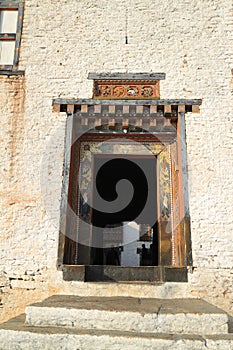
[[175, 186], [118, 91], [177, 231], [105, 91], [147, 91], [132, 91], [164, 181], [108, 89], [130, 149]]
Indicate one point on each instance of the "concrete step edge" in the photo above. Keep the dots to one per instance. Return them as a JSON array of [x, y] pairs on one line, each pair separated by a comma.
[[129, 304], [18, 324], [136, 322], [14, 334], [130, 314]]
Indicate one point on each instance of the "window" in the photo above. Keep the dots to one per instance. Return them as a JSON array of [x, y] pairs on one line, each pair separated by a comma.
[[11, 20]]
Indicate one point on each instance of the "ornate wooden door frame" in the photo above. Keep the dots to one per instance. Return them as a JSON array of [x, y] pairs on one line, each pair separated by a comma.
[[163, 121]]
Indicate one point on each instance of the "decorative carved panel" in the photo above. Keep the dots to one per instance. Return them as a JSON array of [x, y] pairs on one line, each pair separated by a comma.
[[126, 89]]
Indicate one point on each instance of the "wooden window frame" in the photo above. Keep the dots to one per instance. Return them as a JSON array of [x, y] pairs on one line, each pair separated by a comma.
[[16, 37]]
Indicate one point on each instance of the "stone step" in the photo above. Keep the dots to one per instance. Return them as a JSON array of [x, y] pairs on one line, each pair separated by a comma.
[[177, 316], [15, 334], [168, 290]]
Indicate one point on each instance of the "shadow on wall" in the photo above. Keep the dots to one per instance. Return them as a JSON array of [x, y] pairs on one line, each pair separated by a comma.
[[230, 324]]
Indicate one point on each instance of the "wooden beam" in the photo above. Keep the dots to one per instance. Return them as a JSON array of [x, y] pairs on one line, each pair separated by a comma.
[[56, 108], [18, 33], [167, 109], [7, 36], [181, 108], [70, 109], [97, 109], [126, 76], [127, 102], [195, 109], [8, 70], [84, 108], [139, 109], [111, 109]]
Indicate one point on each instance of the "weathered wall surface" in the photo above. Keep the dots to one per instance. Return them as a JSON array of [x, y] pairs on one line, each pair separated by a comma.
[[191, 41]]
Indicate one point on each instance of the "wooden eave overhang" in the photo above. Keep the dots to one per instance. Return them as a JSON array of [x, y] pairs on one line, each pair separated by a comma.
[[182, 105]]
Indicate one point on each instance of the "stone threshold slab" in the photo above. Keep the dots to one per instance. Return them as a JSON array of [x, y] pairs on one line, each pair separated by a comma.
[[179, 316], [107, 273], [14, 334]]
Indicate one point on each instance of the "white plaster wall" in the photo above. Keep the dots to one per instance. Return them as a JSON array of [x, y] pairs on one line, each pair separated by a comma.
[[191, 41], [131, 235]]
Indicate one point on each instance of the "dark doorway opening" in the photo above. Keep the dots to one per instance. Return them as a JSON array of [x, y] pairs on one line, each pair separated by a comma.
[[129, 235]]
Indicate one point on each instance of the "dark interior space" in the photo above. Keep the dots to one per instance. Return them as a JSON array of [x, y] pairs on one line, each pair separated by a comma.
[[141, 172]]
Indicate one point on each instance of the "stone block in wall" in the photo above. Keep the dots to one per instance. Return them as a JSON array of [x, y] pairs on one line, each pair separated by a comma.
[[23, 284]]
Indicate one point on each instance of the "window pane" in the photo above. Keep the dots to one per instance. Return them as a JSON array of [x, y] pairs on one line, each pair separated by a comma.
[[8, 21], [7, 51]]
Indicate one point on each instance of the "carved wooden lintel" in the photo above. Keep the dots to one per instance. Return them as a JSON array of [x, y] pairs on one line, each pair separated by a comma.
[[126, 89]]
